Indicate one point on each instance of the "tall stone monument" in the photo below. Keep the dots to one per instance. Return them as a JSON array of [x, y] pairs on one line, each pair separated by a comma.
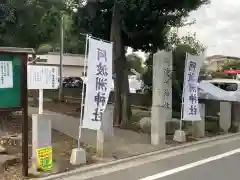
[[162, 96]]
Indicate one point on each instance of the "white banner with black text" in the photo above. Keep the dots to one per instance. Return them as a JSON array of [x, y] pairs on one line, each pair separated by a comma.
[[190, 88], [99, 83]]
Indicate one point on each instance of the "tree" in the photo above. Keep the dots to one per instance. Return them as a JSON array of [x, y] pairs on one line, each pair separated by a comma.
[[135, 62], [28, 25], [140, 25], [179, 46], [36, 23]]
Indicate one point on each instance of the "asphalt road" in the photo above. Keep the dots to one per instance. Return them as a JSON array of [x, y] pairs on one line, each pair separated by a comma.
[[224, 169], [220, 162]]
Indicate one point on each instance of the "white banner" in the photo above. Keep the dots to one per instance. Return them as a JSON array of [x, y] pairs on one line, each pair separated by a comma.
[[99, 82], [190, 88], [6, 74], [42, 77]]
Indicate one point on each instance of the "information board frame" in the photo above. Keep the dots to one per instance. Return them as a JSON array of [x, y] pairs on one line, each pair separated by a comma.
[[22, 53]]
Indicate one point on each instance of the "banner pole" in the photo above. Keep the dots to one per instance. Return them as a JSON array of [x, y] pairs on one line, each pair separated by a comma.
[[182, 108], [181, 119], [83, 92]]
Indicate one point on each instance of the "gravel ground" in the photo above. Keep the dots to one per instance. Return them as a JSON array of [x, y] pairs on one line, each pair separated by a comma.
[[62, 147]]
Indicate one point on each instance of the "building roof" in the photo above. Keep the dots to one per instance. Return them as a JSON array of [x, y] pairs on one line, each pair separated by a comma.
[[68, 59], [222, 57], [17, 50]]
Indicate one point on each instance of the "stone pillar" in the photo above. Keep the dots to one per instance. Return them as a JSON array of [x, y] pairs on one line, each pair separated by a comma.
[[100, 143], [162, 96], [225, 116], [41, 133], [199, 126], [106, 132], [107, 124], [236, 116]]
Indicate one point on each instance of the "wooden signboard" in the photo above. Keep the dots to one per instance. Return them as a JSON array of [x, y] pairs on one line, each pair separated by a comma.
[[13, 89]]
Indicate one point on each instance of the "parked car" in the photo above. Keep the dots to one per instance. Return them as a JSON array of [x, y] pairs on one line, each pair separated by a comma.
[[72, 82]]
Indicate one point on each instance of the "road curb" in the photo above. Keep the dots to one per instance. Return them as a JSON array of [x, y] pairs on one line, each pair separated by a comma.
[[107, 164]]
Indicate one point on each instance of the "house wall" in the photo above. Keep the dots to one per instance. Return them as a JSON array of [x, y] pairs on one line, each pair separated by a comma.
[[68, 59], [73, 71], [73, 64]]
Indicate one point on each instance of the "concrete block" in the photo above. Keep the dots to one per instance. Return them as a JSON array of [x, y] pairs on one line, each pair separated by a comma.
[[78, 156], [225, 116], [199, 126], [107, 123], [179, 136], [100, 143], [41, 133]]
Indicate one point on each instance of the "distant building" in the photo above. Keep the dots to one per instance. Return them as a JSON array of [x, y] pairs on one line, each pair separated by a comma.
[[73, 64], [215, 63]]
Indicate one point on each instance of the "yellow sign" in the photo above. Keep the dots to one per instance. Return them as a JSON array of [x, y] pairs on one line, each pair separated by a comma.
[[44, 158]]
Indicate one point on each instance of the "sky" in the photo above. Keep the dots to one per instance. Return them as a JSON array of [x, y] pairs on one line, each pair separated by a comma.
[[217, 26]]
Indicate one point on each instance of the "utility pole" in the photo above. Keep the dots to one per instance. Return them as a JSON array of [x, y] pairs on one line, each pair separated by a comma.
[[60, 95], [115, 37]]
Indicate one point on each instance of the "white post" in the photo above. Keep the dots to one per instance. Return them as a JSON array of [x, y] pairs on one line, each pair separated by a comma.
[[41, 134], [162, 96], [40, 100], [225, 115], [199, 126]]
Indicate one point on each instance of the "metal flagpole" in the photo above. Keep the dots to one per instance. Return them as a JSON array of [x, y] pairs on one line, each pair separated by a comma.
[[182, 108], [83, 91]]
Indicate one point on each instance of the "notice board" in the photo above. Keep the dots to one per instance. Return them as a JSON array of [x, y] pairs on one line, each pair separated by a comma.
[[10, 98]]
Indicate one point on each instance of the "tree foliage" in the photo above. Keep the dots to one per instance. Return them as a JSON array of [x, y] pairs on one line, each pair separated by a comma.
[[35, 23], [135, 62], [27, 23], [144, 23]]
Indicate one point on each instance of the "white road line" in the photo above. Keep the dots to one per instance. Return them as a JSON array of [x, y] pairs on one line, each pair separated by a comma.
[[191, 165]]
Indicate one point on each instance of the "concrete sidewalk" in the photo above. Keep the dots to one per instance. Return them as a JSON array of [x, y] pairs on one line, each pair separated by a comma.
[[117, 169], [124, 143]]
